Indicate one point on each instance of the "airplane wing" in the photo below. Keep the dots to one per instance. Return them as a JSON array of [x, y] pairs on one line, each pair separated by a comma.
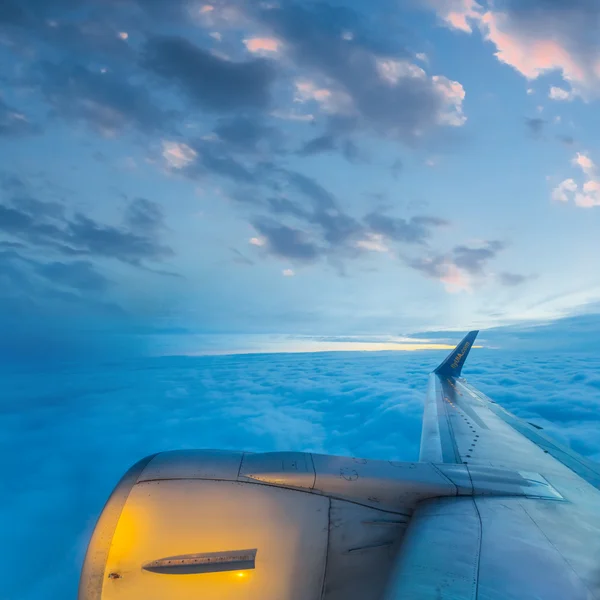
[[492, 547], [494, 510]]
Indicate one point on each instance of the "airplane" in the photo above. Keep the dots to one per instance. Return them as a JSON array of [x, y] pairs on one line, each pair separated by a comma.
[[493, 510]]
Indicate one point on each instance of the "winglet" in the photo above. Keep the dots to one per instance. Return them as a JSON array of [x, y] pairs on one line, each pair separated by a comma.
[[452, 366]]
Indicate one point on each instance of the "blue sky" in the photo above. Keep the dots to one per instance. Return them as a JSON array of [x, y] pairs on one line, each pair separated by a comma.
[[184, 178], [279, 168]]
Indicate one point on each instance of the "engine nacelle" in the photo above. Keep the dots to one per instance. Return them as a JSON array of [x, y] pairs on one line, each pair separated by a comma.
[[274, 526]]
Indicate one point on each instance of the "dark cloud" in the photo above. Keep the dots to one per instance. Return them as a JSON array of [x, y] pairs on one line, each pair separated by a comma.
[[10, 182], [144, 215], [240, 258], [328, 142], [447, 267], [90, 237], [336, 232], [314, 36], [415, 230], [80, 275], [473, 260], [512, 279], [14, 123], [247, 134], [318, 145], [47, 225], [284, 206], [567, 140], [336, 225], [106, 101], [434, 267], [210, 82], [535, 126], [286, 242], [212, 159], [314, 191], [36, 208]]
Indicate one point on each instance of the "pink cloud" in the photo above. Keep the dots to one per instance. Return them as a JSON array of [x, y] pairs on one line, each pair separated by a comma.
[[178, 154], [455, 280], [532, 43], [585, 163], [529, 55], [457, 13], [258, 45], [329, 100]]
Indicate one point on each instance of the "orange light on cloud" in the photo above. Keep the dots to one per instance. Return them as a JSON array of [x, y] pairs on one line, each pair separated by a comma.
[[262, 44], [455, 280], [530, 56]]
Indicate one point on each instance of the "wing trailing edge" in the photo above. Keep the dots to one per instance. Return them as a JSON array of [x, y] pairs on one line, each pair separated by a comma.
[[453, 364]]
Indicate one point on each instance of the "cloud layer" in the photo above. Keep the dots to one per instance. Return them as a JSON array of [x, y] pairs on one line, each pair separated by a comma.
[[71, 435]]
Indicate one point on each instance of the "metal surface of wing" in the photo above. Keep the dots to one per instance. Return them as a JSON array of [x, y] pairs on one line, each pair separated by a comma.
[[490, 547]]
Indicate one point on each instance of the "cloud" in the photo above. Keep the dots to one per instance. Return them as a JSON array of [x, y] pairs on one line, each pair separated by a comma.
[[473, 260], [585, 163], [443, 269], [584, 195], [535, 126], [457, 14], [56, 310], [317, 145], [144, 215], [371, 80], [512, 279], [563, 189], [374, 242], [262, 45], [415, 230], [568, 140], [46, 225], [210, 82], [460, 268], [78, 274], [538, 37], [245, 134], [286, 242], [240, 258], [288, 273], [325, 229], [557, 93], [214, 159], [109, 103], [14, 123], [178, 154], [329, 100], [90, 237]]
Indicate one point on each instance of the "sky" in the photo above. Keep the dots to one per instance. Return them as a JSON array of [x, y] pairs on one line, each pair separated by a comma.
[[261, 179], [176, 170]]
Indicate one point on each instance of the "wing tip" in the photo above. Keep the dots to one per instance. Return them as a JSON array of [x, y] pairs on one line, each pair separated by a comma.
[[453, 363]]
